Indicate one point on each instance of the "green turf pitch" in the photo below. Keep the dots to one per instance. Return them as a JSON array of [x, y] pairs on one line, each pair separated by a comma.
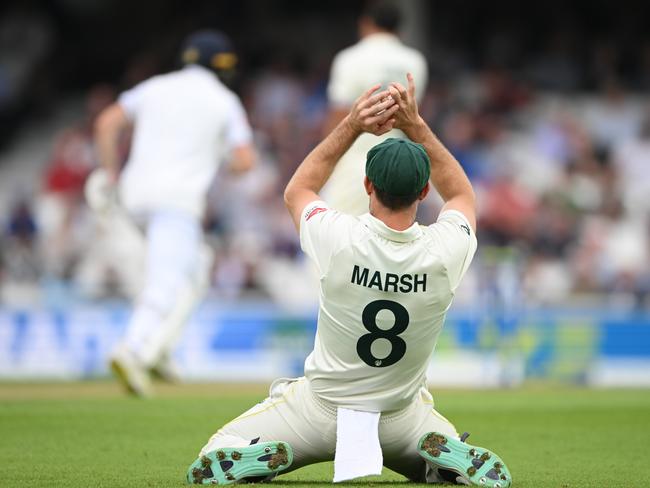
[[89, 435]]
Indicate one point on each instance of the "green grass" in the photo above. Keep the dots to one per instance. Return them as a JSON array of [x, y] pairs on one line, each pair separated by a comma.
[[83, 435]]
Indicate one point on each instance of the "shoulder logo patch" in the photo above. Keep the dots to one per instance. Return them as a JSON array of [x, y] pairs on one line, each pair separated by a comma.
[[315, 211], [465, 228]]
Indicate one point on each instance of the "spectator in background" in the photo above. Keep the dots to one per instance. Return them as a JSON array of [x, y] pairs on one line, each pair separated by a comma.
[[61, 212], [277, 98], [241, 218], [631, 158], [557, 66], [613, 117], [460, 135], [20, 258]]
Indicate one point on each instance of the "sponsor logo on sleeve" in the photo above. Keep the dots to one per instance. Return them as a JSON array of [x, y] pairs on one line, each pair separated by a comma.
[[314, 211], [465, 228]]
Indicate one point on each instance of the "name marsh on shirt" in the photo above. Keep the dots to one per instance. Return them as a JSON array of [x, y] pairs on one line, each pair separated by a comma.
[[406, 283]]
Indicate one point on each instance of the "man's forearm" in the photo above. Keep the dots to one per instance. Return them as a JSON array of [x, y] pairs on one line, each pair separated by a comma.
[[447, 176], [318, 166], [108, 128], [108, 154], [373, 112]]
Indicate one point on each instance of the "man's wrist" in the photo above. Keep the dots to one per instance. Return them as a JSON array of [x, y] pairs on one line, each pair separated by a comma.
[[354, 129], [416, 131]]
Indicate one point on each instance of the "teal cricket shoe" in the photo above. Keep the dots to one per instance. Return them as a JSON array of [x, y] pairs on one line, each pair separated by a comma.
[[229, 465], [468, 464]]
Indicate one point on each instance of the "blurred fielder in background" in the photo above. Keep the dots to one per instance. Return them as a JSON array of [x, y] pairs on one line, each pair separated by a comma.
[[379, 57], [184, 124]]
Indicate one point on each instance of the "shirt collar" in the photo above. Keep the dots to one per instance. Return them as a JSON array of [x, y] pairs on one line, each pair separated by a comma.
[[378, 227], [201, 70], [381, 37]]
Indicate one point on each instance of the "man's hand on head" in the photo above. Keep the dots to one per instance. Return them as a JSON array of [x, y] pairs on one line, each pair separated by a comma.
[[407, 116], [373, 112]]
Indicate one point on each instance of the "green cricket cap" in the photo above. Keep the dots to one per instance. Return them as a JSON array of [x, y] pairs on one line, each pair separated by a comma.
[[398, 167]]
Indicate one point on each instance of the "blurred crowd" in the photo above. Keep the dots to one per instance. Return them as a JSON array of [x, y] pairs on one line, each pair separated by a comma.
[[562, 188], [560, 164]]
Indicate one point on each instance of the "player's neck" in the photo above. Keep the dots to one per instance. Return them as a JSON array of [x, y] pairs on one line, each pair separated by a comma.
[[368, 29], [396, 220]]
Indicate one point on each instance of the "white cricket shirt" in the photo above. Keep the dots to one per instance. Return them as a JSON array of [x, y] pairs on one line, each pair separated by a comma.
[[383, 299], [185, 123], [377, 58]]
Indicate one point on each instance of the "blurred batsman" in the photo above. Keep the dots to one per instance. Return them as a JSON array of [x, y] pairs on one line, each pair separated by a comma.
[[378, 57], [184, 124]]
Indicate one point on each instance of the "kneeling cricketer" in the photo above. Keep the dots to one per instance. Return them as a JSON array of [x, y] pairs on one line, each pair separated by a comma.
[[386, 283]]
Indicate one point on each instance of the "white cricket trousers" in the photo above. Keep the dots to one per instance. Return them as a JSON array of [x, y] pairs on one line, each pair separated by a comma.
[[173, 248], [294, 414]]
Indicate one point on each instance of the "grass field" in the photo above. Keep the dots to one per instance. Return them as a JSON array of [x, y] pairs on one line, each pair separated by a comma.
[[90, 435]]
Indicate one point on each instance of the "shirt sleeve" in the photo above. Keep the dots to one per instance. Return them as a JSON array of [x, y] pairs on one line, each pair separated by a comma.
[[131, 100], [422, 78], [238, 131], [456, 242], [321, 233], [341, 90]]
